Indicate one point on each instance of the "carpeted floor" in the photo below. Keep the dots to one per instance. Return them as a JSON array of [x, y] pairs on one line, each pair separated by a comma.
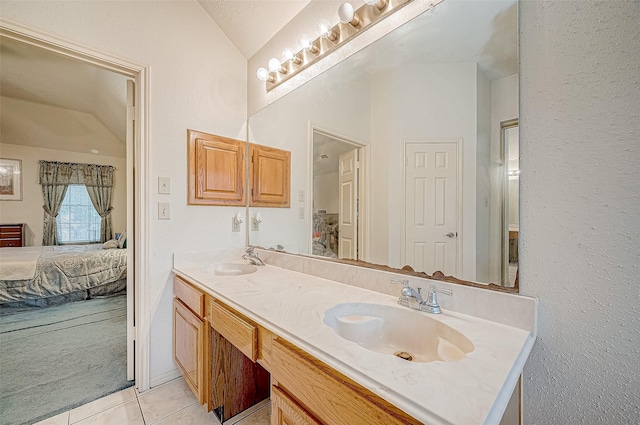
[[57, 358]]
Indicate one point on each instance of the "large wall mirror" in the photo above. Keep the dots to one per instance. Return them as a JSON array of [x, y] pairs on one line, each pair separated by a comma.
[[400, 155]]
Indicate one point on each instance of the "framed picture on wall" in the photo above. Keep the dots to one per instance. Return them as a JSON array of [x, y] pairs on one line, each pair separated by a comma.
[[10, 179]]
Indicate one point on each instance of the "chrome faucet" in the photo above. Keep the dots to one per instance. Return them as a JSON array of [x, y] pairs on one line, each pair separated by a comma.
[[412, 298], [252, 257]]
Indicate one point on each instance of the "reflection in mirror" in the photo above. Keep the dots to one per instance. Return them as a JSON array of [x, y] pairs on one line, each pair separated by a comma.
[[510, 155], [423, 108]]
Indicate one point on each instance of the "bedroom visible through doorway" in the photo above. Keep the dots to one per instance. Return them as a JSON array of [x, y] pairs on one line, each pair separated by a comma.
[[59, 108]]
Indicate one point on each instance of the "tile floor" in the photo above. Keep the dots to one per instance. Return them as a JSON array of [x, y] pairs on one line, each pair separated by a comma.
[[172, 403]]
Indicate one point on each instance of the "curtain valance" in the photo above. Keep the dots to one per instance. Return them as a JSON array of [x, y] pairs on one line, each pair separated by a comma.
[[65, 173]]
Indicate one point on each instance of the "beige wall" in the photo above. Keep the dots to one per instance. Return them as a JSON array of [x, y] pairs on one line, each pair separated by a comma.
[[29, 210]]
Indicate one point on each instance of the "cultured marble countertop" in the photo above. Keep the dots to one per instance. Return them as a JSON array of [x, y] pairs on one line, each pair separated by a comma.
[[474, 390]]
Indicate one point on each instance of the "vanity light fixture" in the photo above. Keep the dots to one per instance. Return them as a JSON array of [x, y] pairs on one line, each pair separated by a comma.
[[325, 30], [307, 44], [380, 4], [263, 75], [289, 55], [312, 50], [348, 15]]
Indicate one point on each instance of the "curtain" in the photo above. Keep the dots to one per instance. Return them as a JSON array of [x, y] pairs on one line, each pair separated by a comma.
[[55, 177], [98, 180]]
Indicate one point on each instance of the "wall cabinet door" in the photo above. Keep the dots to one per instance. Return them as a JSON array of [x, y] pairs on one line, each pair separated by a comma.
[[188, 347], [270, 176], [216, 170], [285, 411]]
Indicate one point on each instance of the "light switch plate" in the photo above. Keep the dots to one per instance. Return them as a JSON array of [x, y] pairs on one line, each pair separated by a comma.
[[301, 195], [235, 226], [301, 213], [164, 185], [163, 211]]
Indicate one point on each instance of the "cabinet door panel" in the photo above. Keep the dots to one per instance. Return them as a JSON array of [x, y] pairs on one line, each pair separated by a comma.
[[216, 170], [270, 177], [188, 347], [285, 411]]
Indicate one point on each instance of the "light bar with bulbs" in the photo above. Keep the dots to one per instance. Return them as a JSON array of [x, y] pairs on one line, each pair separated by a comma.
[[352, 22]]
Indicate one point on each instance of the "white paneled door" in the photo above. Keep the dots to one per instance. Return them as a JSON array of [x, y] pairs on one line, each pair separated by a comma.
[[348, 205], [431, 206]]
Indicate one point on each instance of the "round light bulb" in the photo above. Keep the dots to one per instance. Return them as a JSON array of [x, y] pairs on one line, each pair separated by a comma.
[[287, 54], [274, 64], [380, 4], [324, 28], [346, 13], [305, 42], [262, 74]]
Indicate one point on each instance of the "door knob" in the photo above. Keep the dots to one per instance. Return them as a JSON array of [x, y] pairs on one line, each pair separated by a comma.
[[451, 235]]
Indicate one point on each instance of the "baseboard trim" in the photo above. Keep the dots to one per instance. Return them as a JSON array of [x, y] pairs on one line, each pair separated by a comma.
[[163, 378]]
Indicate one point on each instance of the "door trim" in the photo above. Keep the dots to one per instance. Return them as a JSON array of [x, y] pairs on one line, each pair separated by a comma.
[[137, 254], [460, 237]]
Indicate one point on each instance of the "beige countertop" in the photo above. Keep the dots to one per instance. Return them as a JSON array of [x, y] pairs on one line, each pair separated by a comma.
[[474, 390]]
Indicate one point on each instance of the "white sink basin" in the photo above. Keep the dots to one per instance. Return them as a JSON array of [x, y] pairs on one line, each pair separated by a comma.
[[230, 269], [408, 334]]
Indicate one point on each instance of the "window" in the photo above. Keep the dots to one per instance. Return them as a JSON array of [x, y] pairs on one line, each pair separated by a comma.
[[78, 221]]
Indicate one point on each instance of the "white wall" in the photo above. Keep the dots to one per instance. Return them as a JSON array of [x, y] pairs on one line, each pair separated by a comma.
[[326, 192], [435, 101], [504, 107], [29, 210], [197, 80], [580, 209]]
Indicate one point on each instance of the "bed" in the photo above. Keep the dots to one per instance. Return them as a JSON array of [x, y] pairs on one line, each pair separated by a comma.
[[40, 276]]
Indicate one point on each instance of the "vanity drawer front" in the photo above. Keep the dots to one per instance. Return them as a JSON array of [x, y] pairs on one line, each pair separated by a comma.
[[235, 329], [328, 395], [189, 295]]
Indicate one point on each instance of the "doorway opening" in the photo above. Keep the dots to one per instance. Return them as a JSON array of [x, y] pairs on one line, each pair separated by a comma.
[[510, 155], [135, 123], [337, 228]]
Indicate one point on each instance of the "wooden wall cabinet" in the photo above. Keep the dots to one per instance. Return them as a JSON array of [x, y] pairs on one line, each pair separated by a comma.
[[270, 177], [216, 170]]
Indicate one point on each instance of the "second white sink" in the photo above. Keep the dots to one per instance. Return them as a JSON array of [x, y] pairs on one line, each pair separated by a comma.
[[405, 333], [230, 269]]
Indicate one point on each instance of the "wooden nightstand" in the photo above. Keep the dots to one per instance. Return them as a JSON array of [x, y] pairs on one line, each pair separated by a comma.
[[11, 235]]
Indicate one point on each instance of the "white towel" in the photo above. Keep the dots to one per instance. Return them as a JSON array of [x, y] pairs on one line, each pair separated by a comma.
[[19, 263]]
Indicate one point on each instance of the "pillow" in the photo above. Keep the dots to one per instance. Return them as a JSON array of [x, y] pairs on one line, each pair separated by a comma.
[[122, 239], [110, 244]]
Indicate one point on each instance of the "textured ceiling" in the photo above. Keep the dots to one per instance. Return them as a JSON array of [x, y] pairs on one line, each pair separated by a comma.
[[249, 24]]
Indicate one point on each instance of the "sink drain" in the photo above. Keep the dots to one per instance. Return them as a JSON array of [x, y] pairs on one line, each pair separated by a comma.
[[404, 355]]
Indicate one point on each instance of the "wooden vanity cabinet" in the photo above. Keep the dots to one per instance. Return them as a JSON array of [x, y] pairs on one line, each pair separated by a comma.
[[190, 337], [309, 392], [270, 177], [236, 381], [216, 170]]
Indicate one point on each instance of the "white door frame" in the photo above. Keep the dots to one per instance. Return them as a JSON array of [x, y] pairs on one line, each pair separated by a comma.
[[138, 246], [363, 187], [460, 237]]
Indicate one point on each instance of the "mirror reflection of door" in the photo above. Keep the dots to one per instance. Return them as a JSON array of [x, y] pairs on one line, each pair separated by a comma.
[[511, 214], [431, 206], [335, 196]]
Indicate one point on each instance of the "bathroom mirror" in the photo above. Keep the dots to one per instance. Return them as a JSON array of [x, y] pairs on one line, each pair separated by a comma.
[[398, 153]]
